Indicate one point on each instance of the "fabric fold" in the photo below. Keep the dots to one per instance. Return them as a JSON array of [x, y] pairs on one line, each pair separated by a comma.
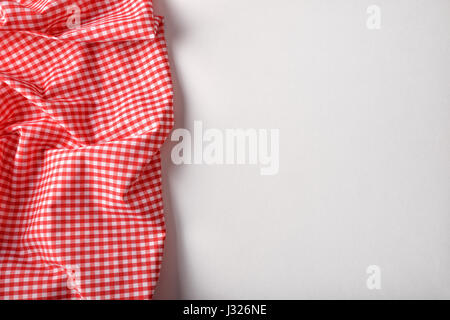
[[114, 20]]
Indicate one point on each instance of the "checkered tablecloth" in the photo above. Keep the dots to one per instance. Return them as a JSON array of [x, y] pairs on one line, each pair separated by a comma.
[[85, 105]]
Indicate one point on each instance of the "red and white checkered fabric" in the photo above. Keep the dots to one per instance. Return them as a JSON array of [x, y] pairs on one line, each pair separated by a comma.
[[83, 113]]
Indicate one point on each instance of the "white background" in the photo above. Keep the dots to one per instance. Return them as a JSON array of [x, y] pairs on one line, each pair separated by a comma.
[[364, 150]]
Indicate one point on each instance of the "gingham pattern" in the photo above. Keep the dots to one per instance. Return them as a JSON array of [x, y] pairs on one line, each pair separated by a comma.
[[83, 114]]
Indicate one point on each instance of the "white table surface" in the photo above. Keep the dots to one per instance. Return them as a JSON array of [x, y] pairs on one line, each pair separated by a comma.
[[364, 170]]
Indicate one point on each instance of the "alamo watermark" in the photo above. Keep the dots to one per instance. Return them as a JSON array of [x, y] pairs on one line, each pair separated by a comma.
[[373, 281], [74, 19], [374, 17], [227, 147]]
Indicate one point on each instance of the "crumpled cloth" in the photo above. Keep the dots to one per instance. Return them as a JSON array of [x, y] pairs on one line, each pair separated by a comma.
[[84, 111]]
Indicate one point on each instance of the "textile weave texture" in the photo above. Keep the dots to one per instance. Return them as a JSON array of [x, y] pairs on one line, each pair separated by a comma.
[[84, 110]]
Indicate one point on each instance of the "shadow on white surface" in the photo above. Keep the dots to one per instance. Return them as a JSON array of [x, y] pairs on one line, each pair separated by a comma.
[[168, 286]]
